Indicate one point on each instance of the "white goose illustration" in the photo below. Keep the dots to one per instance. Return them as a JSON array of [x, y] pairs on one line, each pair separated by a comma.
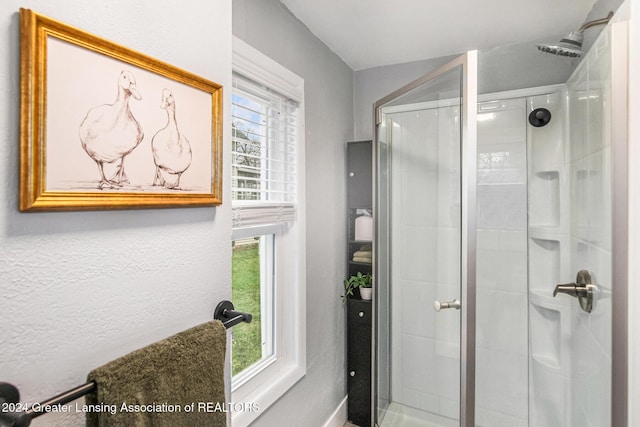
[[171, 149], [109, 132]]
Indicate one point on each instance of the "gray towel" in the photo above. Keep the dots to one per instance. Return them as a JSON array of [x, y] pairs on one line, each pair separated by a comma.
[[163, 379]]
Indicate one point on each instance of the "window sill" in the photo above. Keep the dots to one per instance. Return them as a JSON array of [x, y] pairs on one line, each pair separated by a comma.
[[255, 399]]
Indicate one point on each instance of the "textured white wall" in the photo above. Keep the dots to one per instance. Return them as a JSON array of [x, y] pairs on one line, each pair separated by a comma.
[[269, 27], [79, 289]]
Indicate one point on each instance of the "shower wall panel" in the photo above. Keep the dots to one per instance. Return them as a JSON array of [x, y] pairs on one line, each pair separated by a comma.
[[501, 313], [549, 318], [590, 153], [570, 230]]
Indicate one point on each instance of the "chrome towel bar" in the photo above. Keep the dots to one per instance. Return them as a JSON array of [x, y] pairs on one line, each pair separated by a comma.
[[228, 316], [17, 415]]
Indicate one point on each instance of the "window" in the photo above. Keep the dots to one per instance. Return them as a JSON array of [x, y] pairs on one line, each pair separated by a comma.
[[267, 355], [264, 143], [253, 286]]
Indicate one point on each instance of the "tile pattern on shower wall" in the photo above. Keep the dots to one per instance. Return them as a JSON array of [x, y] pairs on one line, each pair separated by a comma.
[[590, 234], [501, 306]]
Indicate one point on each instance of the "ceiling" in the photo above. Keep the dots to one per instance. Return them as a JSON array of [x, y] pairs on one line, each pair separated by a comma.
[[370, 33]]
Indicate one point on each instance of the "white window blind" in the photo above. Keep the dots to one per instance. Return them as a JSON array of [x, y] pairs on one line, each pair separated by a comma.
[[263, 168]]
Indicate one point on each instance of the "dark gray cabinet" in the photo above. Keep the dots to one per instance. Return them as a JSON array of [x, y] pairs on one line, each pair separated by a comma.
[[359, 361], [359, 312], [359, 200], [359, 165]]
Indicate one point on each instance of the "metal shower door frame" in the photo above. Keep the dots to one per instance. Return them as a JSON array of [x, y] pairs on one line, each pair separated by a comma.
[[468, 170], [620, 224]]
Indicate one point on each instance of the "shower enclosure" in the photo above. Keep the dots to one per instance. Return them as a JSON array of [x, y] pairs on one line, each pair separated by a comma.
[[500, 287]]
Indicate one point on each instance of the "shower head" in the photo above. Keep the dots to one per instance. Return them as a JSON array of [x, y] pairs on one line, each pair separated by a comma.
[[571, 45]]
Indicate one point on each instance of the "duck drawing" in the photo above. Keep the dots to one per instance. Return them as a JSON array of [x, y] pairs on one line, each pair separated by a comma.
[[109, 132], [171, 149]]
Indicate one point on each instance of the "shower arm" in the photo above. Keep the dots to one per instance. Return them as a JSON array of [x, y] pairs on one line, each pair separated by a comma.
[[593, 23]]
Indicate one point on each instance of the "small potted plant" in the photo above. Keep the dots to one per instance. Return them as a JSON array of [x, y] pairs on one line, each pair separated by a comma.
[[361, 281]]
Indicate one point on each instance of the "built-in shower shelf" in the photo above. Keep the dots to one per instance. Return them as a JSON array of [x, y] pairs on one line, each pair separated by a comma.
[[543, 297], [546, 193], [550, 322], [499, 184], [547, 232], [548, 362], [549, 174]]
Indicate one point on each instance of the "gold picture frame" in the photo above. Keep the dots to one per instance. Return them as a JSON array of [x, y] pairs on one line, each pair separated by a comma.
[[90, 107]]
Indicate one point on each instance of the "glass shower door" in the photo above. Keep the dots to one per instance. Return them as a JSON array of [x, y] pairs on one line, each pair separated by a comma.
[[425, 249]]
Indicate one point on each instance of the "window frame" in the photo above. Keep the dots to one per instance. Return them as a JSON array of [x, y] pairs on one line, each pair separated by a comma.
[[274, 376], [267, 248]]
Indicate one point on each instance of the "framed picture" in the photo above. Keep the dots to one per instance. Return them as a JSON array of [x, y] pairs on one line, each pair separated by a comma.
[[104, 127]]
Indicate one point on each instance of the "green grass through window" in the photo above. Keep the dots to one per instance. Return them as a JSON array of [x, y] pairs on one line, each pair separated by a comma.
[[247, 345]]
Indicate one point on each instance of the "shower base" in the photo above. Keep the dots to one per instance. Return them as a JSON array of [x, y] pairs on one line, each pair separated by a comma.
[[399, 415]]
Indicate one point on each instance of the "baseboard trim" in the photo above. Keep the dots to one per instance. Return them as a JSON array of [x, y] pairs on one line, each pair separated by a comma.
[[339, 416]]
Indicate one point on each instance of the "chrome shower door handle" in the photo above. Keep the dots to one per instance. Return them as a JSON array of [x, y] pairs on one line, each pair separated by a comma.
[[437, 305]]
